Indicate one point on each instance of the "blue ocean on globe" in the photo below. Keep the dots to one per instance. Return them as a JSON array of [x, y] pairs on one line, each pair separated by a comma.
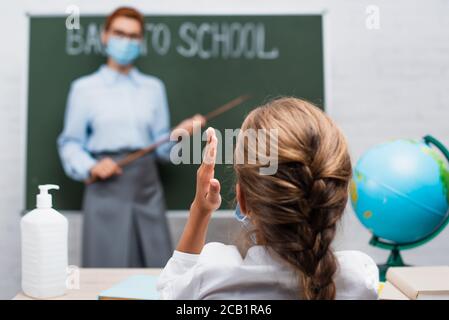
[[400, 190]]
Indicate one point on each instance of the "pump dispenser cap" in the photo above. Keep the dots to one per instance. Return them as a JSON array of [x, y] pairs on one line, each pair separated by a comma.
[[43, 199]]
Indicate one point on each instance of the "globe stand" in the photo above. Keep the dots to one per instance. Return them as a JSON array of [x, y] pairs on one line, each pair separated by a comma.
[[395, 258]]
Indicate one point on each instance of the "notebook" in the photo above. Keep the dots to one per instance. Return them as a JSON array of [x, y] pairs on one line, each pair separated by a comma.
[[138, 287], [421, 283]]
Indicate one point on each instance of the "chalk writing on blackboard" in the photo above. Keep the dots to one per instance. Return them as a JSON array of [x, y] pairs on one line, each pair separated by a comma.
[[226, 40]]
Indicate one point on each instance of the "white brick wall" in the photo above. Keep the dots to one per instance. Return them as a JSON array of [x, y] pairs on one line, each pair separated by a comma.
[[385, 83]]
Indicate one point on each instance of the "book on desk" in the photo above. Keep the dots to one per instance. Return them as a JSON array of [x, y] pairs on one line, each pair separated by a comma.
[[138, 287], [416, 283]]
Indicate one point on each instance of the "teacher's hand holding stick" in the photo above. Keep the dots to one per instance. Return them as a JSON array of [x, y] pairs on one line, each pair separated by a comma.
[[106, 167]]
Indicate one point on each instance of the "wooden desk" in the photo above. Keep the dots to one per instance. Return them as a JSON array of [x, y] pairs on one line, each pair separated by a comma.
[[93, 281]]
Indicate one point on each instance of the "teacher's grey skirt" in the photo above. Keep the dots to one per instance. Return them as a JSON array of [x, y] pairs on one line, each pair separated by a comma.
[[124, 218]]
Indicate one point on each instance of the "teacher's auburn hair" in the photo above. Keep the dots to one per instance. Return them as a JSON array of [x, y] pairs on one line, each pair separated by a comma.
[[126, 12], [294, 212]]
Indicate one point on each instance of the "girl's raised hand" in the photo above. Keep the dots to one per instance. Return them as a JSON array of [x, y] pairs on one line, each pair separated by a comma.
[[207, 197], [207, 200]]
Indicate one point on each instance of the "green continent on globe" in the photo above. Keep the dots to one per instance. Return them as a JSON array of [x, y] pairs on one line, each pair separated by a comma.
[[444, 172], [358, 177], [353, 192]]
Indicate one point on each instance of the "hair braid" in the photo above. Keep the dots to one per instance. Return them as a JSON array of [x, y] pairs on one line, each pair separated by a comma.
[[297, 209]]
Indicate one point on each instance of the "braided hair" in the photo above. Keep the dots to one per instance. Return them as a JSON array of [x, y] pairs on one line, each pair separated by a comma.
[[295, 211]]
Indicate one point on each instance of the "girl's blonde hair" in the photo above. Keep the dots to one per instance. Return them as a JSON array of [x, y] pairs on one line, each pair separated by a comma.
[[295, 211]]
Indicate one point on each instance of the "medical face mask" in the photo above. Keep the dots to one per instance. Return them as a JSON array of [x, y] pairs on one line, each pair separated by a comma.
[[239, 215], [123, 50], [246, 223]]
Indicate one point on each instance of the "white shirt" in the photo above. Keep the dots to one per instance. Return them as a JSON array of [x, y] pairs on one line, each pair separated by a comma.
[[220, 272]]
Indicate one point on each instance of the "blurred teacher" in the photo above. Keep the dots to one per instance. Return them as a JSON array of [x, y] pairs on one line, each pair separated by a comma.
[[110, 113]]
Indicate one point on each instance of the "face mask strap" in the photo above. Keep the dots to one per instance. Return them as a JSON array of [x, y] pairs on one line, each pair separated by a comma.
[[239, 215], [243, 218]]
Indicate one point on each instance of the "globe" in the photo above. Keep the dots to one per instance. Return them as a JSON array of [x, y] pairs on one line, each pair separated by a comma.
[[400, 190]]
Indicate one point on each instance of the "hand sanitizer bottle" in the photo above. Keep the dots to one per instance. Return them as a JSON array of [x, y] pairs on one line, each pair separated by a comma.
[[44, 233]]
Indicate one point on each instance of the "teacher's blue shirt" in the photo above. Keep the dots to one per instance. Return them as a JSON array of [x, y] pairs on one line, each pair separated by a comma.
[[108, 111]]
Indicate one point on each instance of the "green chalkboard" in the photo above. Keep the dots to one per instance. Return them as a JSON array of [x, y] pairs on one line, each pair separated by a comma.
[[204, 62]]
